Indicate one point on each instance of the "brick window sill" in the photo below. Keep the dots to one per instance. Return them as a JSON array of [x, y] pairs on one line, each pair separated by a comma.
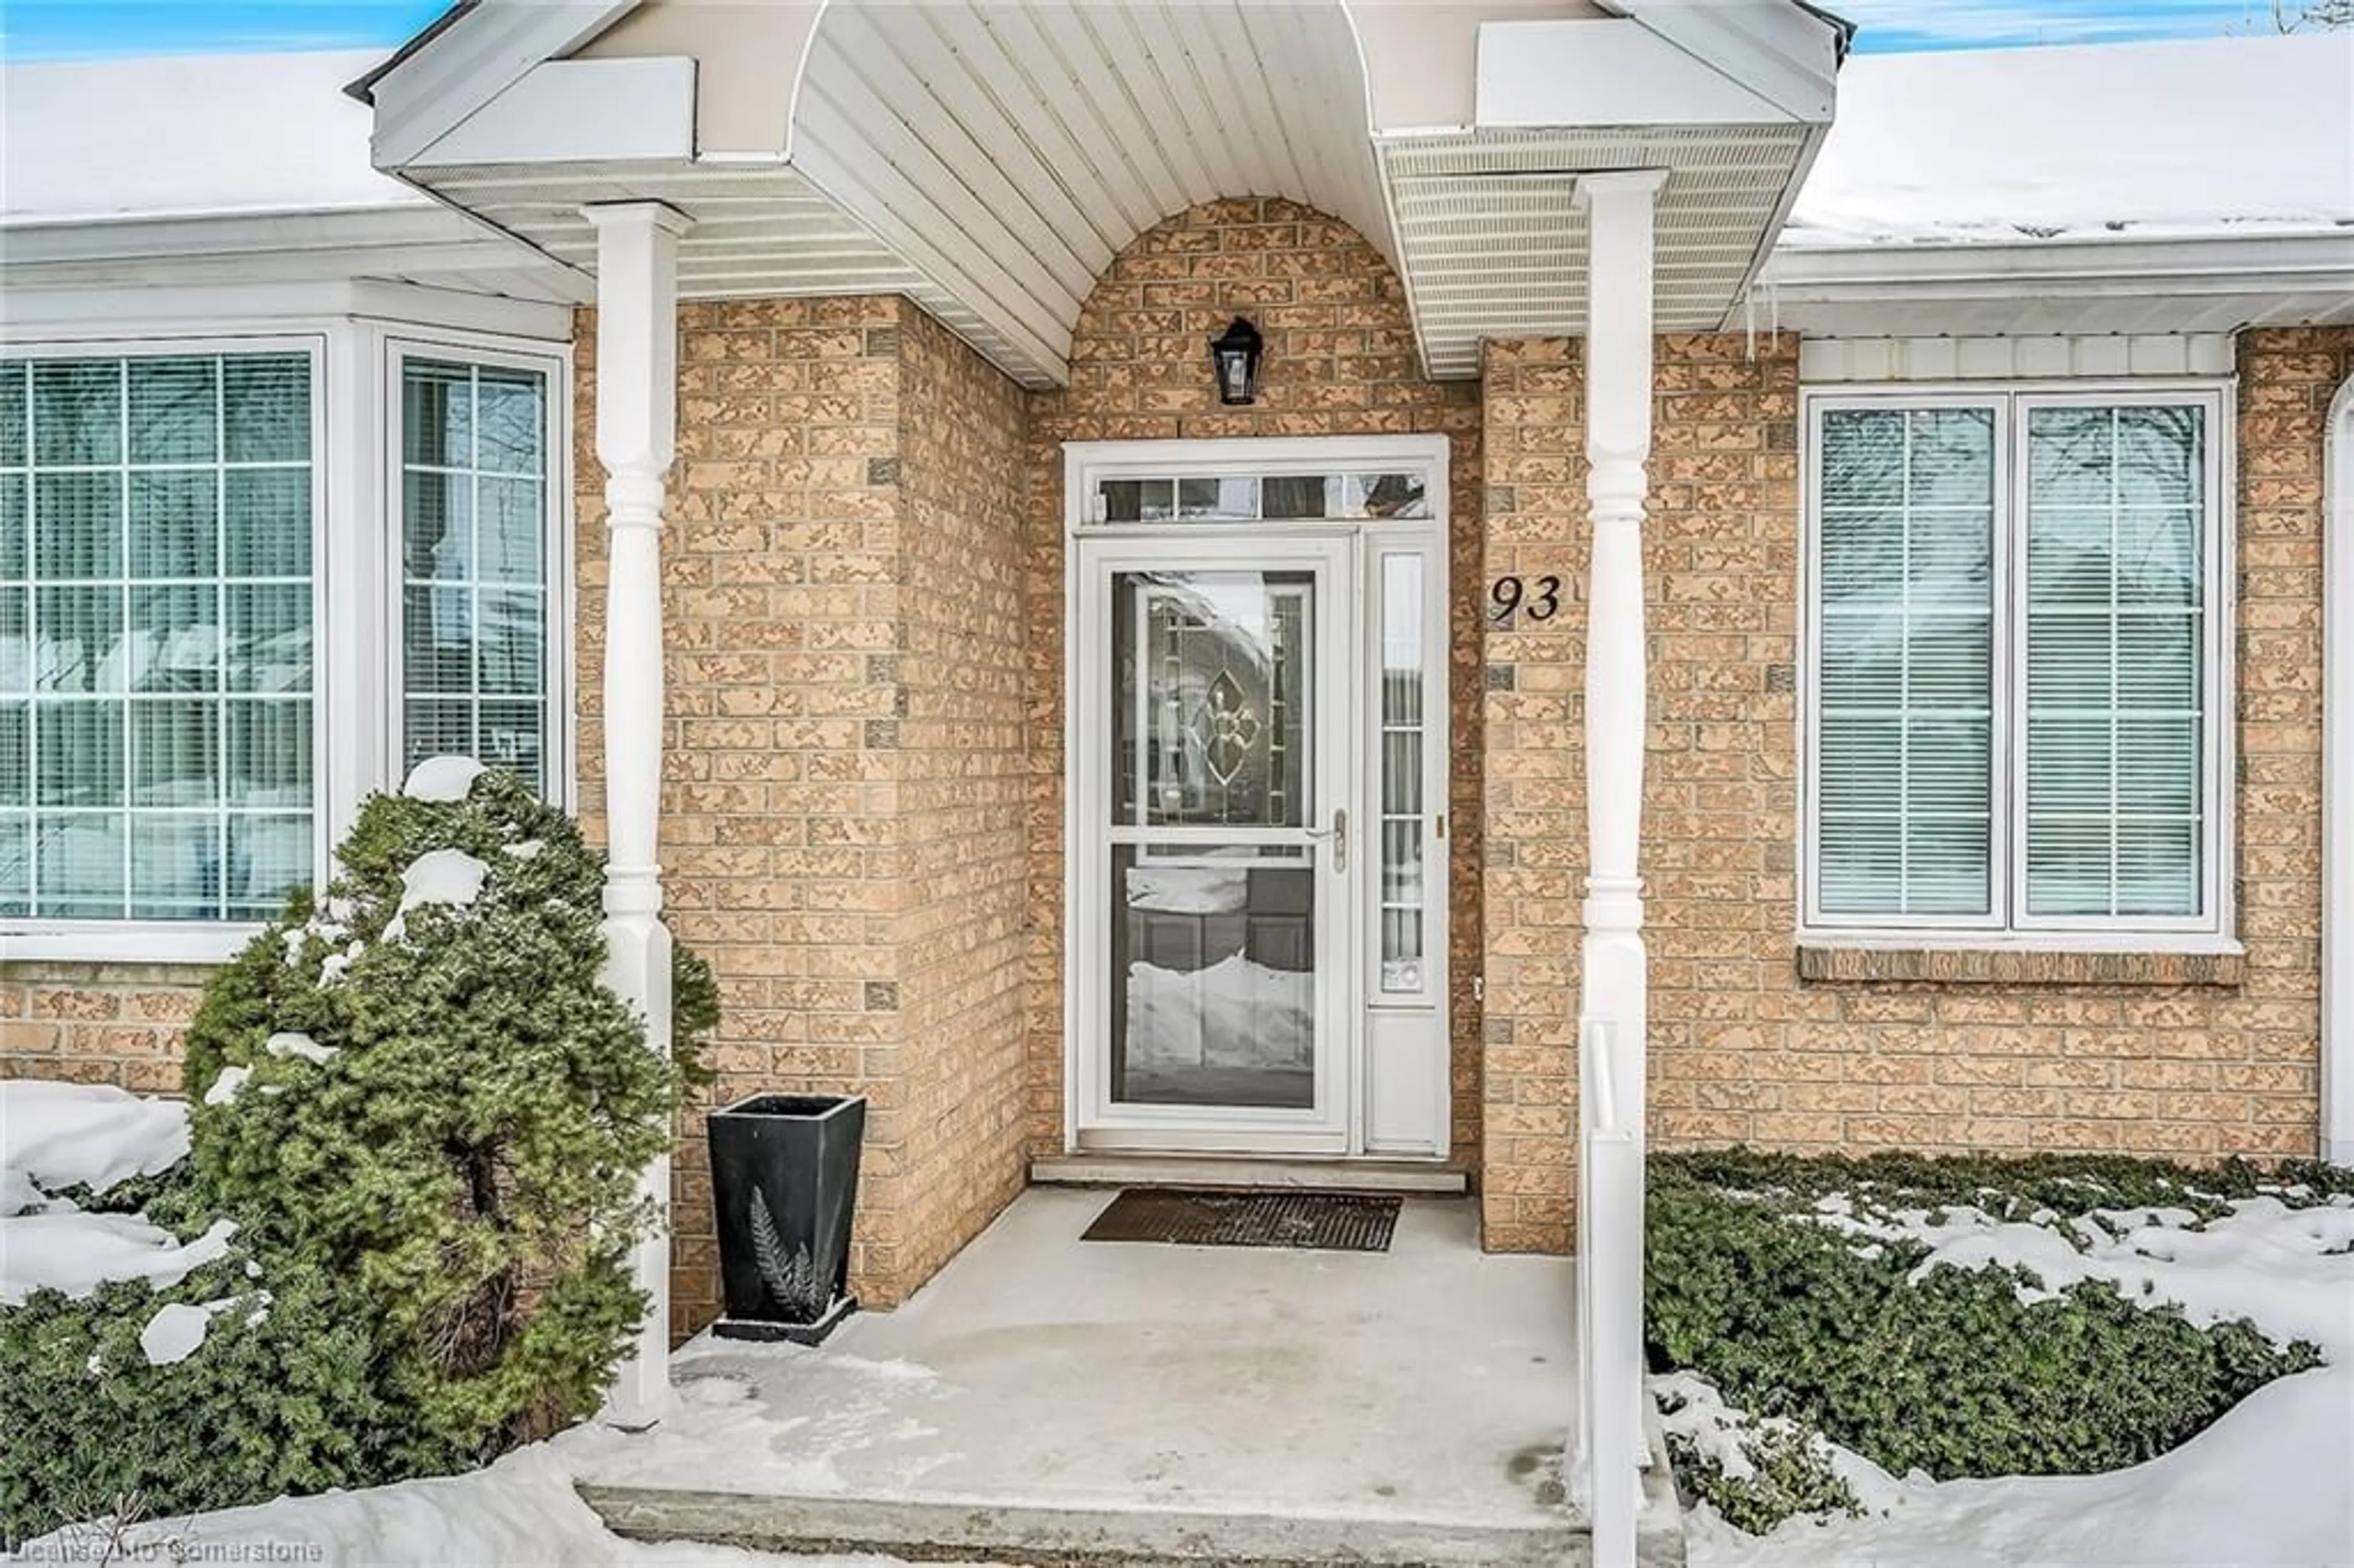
[[1833, 964]]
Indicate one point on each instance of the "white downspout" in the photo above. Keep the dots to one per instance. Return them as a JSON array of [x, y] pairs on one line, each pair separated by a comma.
[[1613, 1003], [2338, 785], [637, 431]]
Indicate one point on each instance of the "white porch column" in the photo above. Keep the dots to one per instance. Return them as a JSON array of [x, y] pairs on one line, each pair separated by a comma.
[[1612, 1000], [637, 426]]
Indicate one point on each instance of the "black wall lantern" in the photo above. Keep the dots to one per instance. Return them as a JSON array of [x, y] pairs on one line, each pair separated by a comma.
[[1235, 353]]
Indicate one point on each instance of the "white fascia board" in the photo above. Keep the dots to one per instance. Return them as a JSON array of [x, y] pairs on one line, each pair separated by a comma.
[[469, 62], [1783, 52], [137, 312], [616, 110], [1603, 71], [235, 234], [2227, 264], [279, 248]]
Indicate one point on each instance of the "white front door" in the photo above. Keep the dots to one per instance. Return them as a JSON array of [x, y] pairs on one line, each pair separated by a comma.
[[1257, 795]]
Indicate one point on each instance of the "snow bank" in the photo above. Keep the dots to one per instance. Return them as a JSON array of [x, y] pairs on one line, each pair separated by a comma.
[[57, 1136], [2266, 1485], [522, 1510]]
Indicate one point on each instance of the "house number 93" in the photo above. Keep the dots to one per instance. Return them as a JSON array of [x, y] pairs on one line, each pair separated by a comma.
[[1512, 596]]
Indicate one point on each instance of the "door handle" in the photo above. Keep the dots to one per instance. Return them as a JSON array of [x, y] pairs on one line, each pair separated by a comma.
[[1339, 833]]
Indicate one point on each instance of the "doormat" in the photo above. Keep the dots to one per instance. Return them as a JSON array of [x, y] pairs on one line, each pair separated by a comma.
[[1321, 1222]]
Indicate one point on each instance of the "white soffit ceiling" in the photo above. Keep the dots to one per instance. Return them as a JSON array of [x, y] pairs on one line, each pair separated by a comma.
[[1010, 151], [1492, 243], [758, 230]]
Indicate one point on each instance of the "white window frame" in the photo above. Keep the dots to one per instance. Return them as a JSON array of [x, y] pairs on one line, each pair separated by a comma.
[[558, 759], [356, 543], [2007, 926]]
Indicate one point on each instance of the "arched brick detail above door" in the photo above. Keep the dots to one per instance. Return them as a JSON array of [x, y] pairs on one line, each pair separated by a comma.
[[1340, 361]]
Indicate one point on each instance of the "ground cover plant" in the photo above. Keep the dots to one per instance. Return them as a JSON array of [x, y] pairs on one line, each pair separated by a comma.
[[1957, 1316]]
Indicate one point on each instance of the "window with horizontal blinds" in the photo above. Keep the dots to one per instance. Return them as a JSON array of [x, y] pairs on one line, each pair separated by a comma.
[[2010, 662], [1906, 759], [2116, 699], [156, 520], [475, 545]]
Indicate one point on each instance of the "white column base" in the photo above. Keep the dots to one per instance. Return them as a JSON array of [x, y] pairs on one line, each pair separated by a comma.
[[637, 970]]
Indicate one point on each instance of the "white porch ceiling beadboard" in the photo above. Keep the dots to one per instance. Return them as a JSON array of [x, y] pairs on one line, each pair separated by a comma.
[[1492, 244], [1010, 151], [758, 230]]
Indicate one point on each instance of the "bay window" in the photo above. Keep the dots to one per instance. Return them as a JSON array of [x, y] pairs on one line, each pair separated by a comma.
[[156, 545], [2016, 700], [203, 545]]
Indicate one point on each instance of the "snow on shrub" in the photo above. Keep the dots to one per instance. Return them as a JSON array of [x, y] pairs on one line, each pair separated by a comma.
[[418, 1084], [145, 1351]]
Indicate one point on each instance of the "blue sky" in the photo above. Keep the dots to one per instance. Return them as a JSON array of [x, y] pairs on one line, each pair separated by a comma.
[[67, 28]]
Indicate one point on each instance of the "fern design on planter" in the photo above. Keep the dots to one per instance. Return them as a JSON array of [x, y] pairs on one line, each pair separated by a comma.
[[792, 1281]]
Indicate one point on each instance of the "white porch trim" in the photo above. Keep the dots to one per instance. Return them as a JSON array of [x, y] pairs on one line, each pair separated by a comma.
[[2338, 786], [1613, 1002], [636, 428]]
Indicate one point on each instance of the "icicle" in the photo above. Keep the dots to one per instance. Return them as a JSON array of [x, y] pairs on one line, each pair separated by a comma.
[[1749, 322]]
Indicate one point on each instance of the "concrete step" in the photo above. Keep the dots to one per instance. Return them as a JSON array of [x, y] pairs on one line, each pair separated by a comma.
[[946, 1530], [1247, 1171]]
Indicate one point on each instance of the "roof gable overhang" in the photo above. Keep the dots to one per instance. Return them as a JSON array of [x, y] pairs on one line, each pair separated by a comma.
[[987, 159]]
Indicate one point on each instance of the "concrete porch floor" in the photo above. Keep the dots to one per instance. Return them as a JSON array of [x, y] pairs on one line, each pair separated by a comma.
[[1049, 1400]]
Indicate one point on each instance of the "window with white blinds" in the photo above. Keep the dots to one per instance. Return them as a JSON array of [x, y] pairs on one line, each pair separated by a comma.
[[2012, 657], [156, 529], [475, 509]]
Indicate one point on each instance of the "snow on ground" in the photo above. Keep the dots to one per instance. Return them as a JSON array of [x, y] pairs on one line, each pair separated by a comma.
[[520, 1512], [2266, 1485]]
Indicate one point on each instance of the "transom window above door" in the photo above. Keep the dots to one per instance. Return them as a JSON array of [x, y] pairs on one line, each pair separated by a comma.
[[2018, 707], [1257, 498]]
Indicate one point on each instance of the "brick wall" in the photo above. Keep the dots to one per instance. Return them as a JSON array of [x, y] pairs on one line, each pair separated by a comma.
[[1742, 1050], [1340, 361], [827, 758], [1533, 439], [963, 790], [96, 1024]]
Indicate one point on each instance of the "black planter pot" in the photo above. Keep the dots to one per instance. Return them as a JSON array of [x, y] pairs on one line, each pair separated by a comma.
[[784, 1180]]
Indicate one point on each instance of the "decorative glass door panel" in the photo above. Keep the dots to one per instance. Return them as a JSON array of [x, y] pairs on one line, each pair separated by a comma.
[[1220, 842], [1256, 955]]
